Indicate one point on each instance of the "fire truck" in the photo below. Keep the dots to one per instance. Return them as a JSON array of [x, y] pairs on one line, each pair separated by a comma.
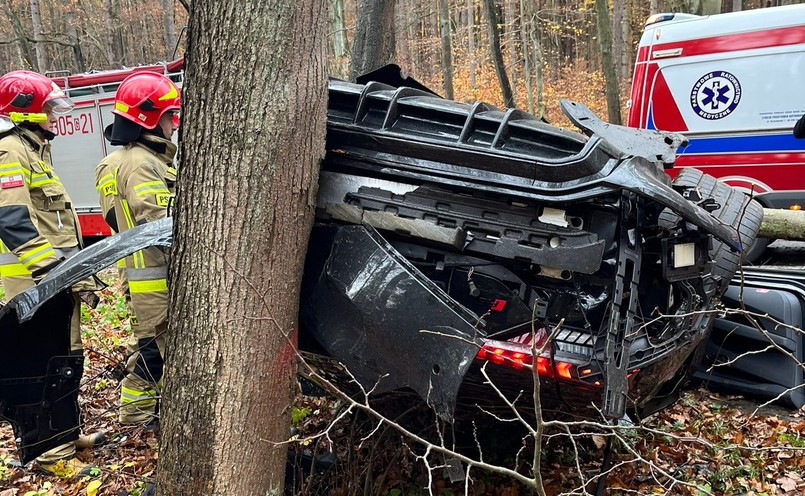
[[80, 145], [734, 85]]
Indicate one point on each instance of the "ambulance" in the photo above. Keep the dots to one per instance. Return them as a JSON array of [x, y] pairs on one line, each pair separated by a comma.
[[79, 145], [734, 85]]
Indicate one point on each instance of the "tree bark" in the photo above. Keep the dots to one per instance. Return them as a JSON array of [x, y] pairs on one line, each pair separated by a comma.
[[170, 29], [526, 12], [447, 49], [26, 52], [471, 43], [112, 8], [783, 224], [654, 7], [617, 37], [246, 196], [39, 47], [497, 54], [710, 7], [607, 61], [737, 5], [338, 38], [374, 44], [72, 32]]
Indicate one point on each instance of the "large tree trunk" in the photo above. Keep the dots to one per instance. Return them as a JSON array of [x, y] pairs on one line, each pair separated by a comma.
[[39, 46], [607, 61], [447, 49], [246, 194], [497, 54], [374, 37]]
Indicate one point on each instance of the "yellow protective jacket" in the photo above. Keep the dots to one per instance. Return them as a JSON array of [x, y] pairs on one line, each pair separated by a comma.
[[145, 185], [106, 187], [38, 226]]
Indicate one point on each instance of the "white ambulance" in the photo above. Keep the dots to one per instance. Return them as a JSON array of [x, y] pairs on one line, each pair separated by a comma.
[[734, 85], [80, 145]]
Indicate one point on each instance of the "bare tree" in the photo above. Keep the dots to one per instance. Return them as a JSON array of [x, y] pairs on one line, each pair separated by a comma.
[[617, 36], [447, 49], [170, 29], [244, 211], [608, 61], [39, 47], [374, 44], [497, 54], [112, 8]]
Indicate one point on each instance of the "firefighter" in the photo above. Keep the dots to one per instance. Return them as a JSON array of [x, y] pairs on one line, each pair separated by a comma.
[[38, 227], [146, 116]]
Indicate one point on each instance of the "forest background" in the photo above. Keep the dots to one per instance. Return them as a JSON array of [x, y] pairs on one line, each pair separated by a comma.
[[549, 49]]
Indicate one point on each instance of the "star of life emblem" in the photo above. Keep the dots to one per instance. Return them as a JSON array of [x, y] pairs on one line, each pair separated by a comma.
[[715, 95]]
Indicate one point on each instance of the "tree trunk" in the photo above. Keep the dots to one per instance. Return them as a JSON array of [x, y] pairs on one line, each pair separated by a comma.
[[710, 7], [783, 224], [170, 29], [626, 57], [374, 37], [39, 46], [654, 7], [26, 52], [607, 61], [737, 5], [72, 32], [447, 49], [471, 43], [116, 31], [497, 55], [617, 37], [338, 38], [526, 12], [245, 203]]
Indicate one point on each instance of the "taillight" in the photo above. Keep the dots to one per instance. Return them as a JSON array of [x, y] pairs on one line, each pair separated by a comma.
[[518, 357]]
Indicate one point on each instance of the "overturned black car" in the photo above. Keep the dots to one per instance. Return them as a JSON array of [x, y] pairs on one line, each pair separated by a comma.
[[449, 236]]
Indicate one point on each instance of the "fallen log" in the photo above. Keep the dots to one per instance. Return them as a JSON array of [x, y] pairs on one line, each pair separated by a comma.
[[783, 224]]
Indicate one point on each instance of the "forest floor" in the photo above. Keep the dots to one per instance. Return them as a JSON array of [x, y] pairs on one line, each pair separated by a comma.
[[705, 444]]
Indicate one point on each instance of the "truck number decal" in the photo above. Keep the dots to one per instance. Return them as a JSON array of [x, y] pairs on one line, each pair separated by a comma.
[[68, 125]]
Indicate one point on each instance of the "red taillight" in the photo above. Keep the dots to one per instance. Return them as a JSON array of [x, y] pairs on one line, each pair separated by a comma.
[[518, 357]]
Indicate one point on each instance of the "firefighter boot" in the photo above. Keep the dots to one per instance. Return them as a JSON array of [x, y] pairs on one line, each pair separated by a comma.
[[90, 440], [68, 468]]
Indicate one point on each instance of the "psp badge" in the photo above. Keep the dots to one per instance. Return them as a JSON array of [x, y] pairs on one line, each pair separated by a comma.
[[715, 95]]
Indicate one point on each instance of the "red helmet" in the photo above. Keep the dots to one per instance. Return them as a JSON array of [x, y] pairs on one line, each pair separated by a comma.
[[143, 97], [31, 93]]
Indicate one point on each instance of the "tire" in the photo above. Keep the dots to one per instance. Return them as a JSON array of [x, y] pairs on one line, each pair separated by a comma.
[[756, 251], [737, 210]]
